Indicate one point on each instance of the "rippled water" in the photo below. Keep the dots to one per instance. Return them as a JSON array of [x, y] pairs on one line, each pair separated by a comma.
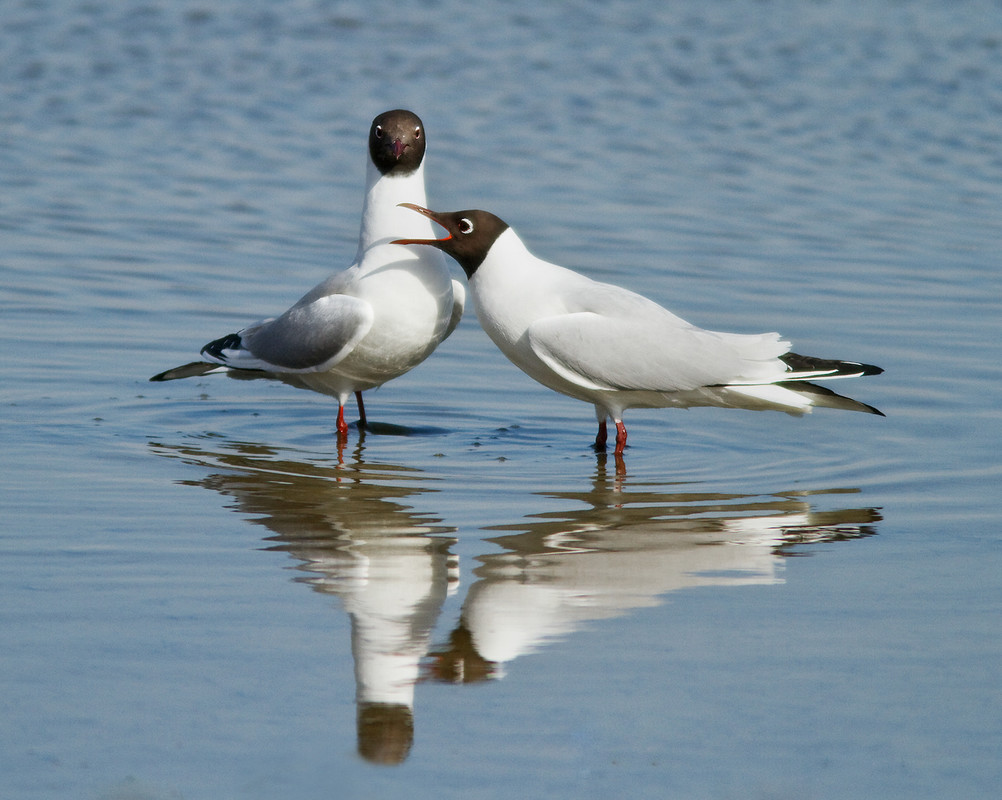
[[204, 597]]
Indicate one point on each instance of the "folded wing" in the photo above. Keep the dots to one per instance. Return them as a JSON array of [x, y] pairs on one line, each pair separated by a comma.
[[625, 342], [312, 336]]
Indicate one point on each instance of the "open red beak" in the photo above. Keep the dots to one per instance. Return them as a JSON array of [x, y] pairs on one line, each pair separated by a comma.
[[428, 213]]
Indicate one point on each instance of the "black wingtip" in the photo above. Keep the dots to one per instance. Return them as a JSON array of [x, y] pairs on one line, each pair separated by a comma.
[[835, 369], [231, 341], [826, 398], [192, 370]]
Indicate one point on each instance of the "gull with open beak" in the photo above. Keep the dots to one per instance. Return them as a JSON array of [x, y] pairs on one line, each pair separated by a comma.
[[615, 349]]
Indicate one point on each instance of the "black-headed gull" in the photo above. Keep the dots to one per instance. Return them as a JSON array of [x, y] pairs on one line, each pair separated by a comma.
[[375, 320], [614, 348]]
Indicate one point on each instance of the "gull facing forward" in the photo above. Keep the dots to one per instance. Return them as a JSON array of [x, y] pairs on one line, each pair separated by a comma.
[[372, 322], [613, 348]]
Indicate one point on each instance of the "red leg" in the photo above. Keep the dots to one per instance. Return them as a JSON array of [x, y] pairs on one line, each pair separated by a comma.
[[342, 426], [361, 409], [620, 437], [602, 436]]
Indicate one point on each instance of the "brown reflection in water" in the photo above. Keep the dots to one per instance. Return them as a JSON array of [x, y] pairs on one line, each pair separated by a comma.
[[385, 732]]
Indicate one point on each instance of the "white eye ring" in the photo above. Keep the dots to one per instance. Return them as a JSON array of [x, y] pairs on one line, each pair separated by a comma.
[[465, 225], [379, 131], [417, 132]]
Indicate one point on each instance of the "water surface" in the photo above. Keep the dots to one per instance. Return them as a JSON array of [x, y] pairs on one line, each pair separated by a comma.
[[206, 597]]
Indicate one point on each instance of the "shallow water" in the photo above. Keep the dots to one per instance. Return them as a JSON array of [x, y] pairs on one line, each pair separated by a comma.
[[205, 597]]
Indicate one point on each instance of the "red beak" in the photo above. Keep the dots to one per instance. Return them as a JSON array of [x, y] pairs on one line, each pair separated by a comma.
[[428, 213]]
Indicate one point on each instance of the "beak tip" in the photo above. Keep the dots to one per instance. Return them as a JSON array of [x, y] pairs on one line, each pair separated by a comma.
[[415, 207]]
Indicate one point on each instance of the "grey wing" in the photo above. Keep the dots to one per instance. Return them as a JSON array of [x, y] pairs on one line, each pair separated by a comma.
[[312, 336], [458, 303], [635, 344]]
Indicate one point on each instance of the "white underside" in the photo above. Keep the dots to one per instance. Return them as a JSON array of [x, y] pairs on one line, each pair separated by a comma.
[[371, 323]]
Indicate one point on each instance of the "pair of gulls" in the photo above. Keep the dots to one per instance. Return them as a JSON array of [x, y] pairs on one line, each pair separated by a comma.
[[593, 341]]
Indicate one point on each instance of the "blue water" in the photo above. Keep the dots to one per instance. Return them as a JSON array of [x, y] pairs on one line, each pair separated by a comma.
[[202, 595]]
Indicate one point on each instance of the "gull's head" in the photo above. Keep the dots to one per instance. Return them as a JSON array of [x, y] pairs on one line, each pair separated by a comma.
[[469, 234], [397, 142]]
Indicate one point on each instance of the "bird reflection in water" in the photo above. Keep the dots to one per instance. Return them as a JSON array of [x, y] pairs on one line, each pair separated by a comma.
[[355, 537], [617, 548], [610, 548]]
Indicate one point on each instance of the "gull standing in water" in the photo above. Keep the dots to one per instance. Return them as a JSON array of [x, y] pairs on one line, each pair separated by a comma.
[[375, 320], [615, 349]]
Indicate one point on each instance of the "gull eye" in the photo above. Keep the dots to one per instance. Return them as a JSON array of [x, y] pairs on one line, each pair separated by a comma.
[[465, 226], [379, 131], [417, 132]]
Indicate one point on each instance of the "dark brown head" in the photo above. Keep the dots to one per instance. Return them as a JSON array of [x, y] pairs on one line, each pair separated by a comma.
[[397, 142], [471, 234]]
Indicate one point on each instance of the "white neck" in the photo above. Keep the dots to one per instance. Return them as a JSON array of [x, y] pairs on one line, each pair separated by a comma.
[[382, 220], [509, 257], [505, 308]]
